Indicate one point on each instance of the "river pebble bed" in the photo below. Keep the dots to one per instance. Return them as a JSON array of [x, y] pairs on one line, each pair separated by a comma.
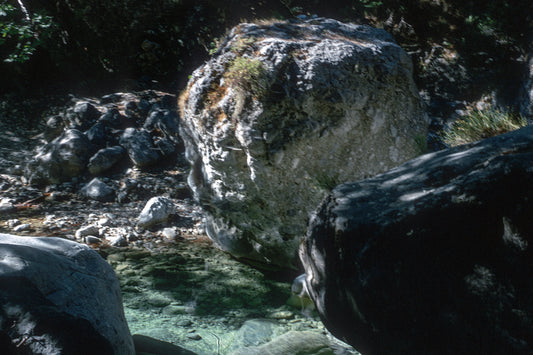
[[176, 286]]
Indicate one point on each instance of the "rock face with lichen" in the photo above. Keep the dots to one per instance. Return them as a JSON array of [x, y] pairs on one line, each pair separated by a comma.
[[281, 114]]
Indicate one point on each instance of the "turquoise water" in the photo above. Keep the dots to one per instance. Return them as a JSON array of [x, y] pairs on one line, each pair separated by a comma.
[[195, 296]]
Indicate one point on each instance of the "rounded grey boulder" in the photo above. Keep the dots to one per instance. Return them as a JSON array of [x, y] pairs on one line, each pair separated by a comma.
[[281, 114]]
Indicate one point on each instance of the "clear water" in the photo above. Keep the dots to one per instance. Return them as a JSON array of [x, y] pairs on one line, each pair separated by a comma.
[[197, 297]]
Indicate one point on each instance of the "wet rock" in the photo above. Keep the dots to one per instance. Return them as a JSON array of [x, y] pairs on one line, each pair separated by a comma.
[[156, 210], [139, 146], [433, 256], [60, 160], [255, 332], [97, 190], [281, 115], [54, 276], [293, 342], [300, 295], [105, 159]]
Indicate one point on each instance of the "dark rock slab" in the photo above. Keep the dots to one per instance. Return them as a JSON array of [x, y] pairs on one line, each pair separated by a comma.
[[432, 257]]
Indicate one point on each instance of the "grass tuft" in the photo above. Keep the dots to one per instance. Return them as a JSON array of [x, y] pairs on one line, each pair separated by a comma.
[[480, 125]]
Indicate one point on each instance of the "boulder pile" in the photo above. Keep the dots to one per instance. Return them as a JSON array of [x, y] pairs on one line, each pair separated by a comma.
[[105, 135]]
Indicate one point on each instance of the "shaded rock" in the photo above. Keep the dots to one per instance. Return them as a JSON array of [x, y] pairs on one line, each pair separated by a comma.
[[156, 210], [54, 127], [112, 118], [82, 115], [69, 296], [139, 146], [148, 345], [255, 332], [165, 146], [60, 160], [42, 327], [98, 190], [97, 135], [282, 114], [105, 159], [431, 257]]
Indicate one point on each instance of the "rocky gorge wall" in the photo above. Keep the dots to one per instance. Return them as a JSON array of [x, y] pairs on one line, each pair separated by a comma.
[[283, 112]]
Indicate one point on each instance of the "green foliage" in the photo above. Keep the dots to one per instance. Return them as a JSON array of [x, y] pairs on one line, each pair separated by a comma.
[[482, 124], [246, 74], [370, 4], [20, 38]]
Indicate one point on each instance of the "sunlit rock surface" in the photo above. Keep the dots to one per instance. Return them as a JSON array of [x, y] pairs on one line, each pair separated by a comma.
[[433, 257], [281, 114]]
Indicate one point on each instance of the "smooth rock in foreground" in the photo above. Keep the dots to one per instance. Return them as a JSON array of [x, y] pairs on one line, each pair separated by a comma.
[[72, 286], [281, 114], [433, 257]]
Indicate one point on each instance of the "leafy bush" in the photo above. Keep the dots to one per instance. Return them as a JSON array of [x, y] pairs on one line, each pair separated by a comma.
[[482, 124], [21, 36]]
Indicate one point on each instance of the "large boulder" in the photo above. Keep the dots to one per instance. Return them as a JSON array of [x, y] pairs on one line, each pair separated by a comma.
[[281, 114], [62, 297], [432, 257]]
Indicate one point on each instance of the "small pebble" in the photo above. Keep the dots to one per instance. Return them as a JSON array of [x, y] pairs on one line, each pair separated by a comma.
[[194, 336], [22, 227], [11, 223], [91, 239]]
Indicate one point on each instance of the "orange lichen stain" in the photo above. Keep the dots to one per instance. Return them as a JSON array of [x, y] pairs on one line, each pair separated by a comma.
[[221, 115], [215, 94], [182, 100]]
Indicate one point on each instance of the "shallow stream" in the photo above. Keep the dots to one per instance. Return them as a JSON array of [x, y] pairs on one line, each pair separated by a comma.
[[190, 294]]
